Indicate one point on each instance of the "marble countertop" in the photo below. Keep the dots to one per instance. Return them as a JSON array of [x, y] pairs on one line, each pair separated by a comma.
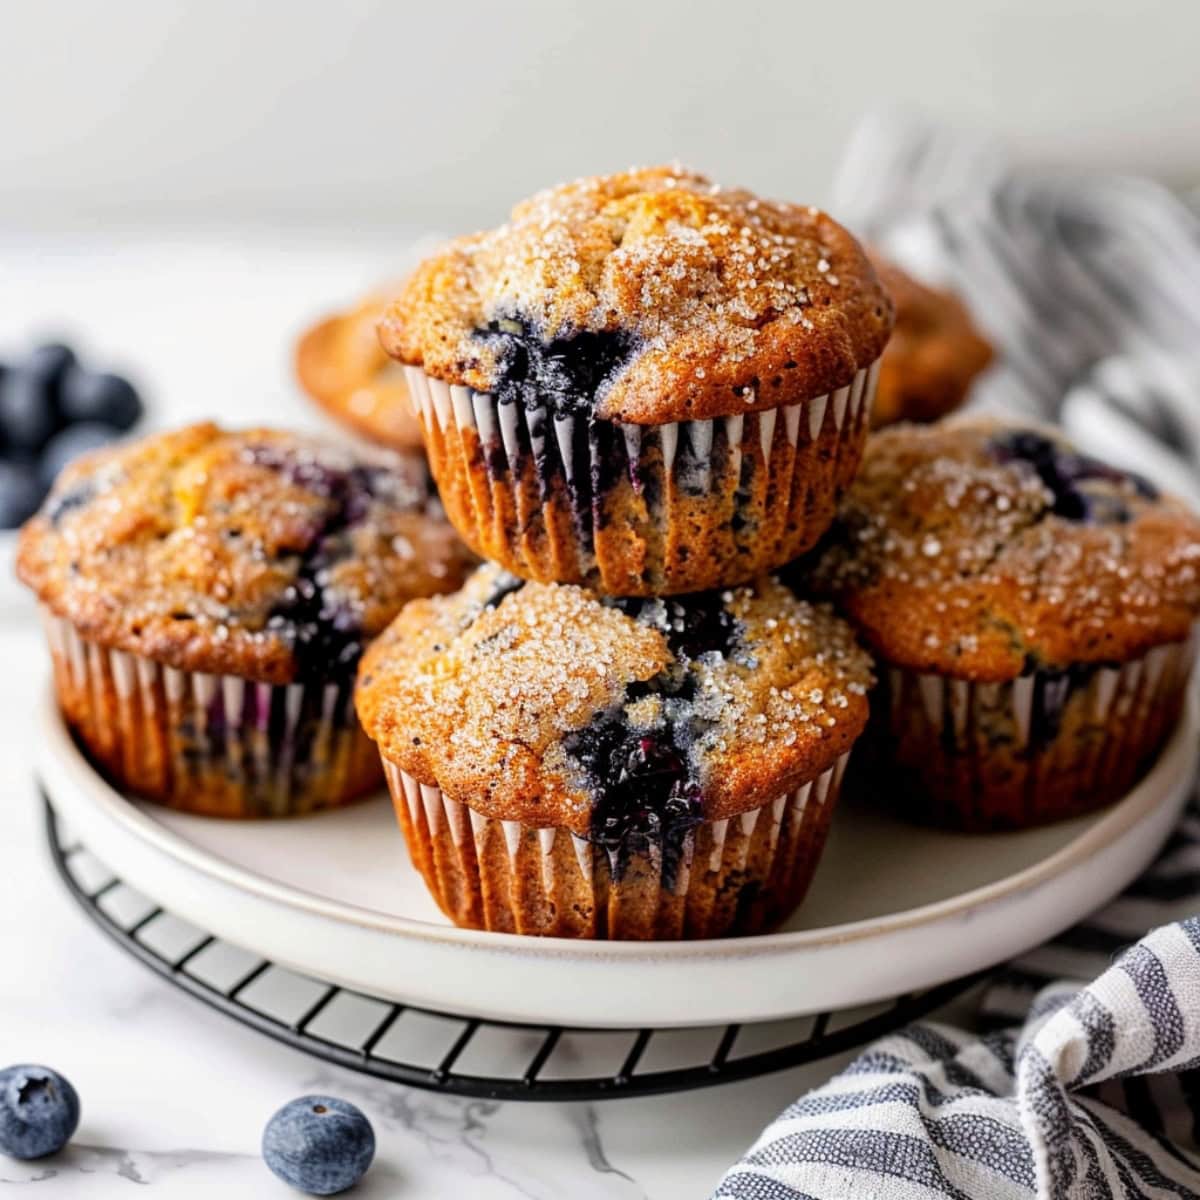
[[174, 1094]]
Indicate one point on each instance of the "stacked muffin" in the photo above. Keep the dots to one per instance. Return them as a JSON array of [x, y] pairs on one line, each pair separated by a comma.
[[638, 396]]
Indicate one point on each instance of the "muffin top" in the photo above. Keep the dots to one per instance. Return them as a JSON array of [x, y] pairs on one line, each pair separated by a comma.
[[649, 296], [342, 366], [983, 550], [548, 704], [934, 353], [258, 553]]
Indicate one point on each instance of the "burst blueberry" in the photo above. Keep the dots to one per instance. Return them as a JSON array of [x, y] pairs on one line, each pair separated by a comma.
[[39, 1111], [1063, 471], [566, 374], [319, 1144]]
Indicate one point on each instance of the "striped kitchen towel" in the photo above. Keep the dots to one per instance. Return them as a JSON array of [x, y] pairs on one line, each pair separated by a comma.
[[1090, 289]]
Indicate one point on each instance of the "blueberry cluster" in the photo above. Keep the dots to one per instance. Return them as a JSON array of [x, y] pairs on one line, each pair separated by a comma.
[[319, 1144], [644, 786], [1068, 474], [52, 409], [565, 375], [325, 633]]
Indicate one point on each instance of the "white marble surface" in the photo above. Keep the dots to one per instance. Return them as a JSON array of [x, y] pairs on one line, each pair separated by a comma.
[[175, 1095]]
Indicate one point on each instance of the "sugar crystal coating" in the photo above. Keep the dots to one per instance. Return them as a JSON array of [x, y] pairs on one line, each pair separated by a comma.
[[711, 301], [257, 553], [537, 706], [983, 549]]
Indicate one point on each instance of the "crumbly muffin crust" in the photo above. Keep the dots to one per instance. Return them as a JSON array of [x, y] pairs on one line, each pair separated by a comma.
[[983, 551], [649, 296], [934, 354], [342, 366], [552, 706], [257, 553]]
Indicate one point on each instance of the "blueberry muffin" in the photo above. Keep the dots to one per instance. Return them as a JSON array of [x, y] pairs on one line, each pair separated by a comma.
[[207, 596], [1032, 610], [567, 764], [934, 354], [643, 383], [342, 366]]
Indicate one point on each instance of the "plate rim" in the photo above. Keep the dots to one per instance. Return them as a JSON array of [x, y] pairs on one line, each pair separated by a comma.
[[1178, 755]]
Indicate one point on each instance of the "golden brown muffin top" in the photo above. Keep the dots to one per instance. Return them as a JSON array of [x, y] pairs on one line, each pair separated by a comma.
[[649, 296], [257, 553], [548, 704], [934, 353], [342, 366], [981, 549]]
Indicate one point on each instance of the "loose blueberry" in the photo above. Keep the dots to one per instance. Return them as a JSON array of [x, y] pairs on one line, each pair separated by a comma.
[[39, 1111], [28, 411], [68, 444], [107, 399], [319, 1144], [20, 493], [50, 362]]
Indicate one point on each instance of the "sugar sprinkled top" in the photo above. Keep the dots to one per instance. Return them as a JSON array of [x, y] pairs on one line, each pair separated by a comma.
[[482, 700], [954, 554], [235, 552], [716, 287]]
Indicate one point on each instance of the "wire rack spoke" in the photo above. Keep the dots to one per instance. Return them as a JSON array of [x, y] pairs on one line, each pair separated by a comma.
[[365, 1051]]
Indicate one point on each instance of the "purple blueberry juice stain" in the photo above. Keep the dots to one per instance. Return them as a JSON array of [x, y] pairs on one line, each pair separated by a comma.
[[565, 375], [694, 625], [642, 780], [642, 793], [1070, 477], [323, 630], [557, 383], [1053, 688]]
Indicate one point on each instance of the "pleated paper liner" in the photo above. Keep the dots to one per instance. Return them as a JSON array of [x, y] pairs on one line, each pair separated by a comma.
[[736, 876], [217, 745], [1048, 745], [641, 509]]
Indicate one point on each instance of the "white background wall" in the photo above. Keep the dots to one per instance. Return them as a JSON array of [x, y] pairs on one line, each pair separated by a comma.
[[366, 114]]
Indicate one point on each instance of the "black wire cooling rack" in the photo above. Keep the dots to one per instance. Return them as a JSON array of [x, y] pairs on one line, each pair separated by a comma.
[[465, 1056]]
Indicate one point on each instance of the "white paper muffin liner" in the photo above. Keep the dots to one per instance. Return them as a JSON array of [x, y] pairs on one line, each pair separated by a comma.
[[213, 744], [1047, 745], [705, 503], [738, 875]]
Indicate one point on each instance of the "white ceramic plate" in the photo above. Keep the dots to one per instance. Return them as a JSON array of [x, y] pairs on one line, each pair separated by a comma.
[[894, 908]]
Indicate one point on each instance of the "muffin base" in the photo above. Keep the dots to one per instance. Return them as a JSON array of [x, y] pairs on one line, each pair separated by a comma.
[[737, 876], [1047, 746], [216, 745], [636, 510]]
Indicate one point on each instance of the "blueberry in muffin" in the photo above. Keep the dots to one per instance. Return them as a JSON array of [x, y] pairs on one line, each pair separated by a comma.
[[208, 595], [644, 383], [1032, 609], [571, 764]]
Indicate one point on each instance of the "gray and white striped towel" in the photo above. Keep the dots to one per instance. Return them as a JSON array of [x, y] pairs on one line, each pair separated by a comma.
[[1090, 288]]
